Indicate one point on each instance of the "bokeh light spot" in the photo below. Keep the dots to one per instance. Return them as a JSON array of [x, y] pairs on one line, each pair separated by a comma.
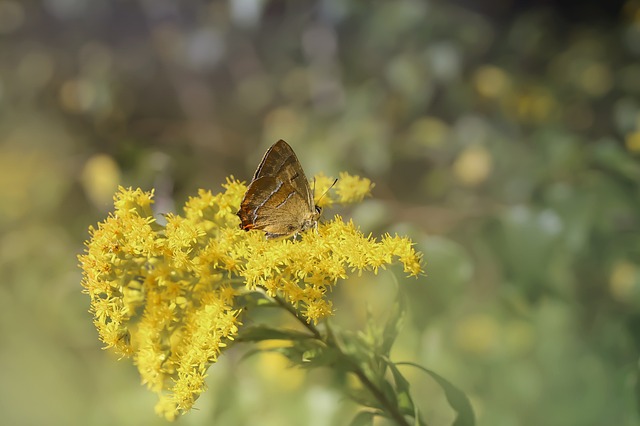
[[100, 179], [77, 95], [632, 141], [596, 79], [473, 165], [477, 334], [429, 131], [623, 281], [490, 81]]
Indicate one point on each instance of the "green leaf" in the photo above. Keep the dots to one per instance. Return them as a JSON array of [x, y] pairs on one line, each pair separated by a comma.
[[388, 391], [393, 325], [610, 155], [456, 398], [308, 353], [258, 333], [301, 354], [405, 402], [320, 357], [364, 398], [363, 418]]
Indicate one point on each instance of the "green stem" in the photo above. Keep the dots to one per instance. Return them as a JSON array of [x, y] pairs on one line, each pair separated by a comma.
[[331, 341], [292, 311]]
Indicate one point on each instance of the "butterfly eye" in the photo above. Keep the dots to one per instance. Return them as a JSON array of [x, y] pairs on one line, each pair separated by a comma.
[[318, 209]]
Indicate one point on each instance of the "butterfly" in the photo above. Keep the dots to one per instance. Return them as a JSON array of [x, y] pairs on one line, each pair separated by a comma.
[[279, 200]]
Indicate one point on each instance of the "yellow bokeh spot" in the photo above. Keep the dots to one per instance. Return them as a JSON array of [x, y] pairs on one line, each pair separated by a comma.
[[100, 178], [490, 81], [623, 280], [429, 131], [534, 105], [276, 369], [477, 334], [29, 179], [632, 141], [77, 95], [596, 79], [473, 166], [631, 10]]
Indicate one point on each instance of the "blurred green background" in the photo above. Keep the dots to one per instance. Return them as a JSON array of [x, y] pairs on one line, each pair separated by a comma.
[[503, 137]]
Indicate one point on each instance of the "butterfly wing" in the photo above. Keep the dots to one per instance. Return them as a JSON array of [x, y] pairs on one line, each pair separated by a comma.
[[275, 207], [281, 162]]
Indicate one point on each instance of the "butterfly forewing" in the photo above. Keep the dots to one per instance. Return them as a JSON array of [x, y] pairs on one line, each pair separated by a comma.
[[280, 161], [274, 159], [278, 199]]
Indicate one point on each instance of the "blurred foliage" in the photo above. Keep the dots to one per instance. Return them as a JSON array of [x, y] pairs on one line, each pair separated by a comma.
[[509, 149]]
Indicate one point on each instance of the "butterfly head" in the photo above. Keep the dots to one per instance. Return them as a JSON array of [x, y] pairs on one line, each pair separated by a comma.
[[311, 221]]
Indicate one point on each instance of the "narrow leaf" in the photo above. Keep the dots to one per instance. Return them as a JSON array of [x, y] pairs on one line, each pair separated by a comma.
[[405, 402], [363, 418], [364, 398], [457, 399], [388, 391], [394, 323], [320, 357]]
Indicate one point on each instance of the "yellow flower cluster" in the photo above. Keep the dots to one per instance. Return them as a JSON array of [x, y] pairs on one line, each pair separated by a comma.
[[167, 295]]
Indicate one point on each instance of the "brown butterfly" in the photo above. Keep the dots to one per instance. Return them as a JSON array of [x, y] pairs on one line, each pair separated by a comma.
[[279, 200]]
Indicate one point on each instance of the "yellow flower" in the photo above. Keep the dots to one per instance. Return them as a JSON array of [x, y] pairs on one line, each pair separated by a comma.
[[352, 189], [168, 296]]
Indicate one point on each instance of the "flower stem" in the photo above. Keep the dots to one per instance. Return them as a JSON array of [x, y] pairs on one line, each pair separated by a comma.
[[331, 341], [292, 311]]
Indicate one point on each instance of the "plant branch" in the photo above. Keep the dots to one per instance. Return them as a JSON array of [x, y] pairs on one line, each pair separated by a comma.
[[292, 311], [332, 342]]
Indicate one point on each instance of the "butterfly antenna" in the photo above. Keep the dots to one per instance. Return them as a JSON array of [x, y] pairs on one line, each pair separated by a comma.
[[325, 192]]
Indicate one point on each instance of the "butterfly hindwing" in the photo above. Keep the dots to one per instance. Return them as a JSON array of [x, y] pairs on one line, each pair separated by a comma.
[[273, 206]]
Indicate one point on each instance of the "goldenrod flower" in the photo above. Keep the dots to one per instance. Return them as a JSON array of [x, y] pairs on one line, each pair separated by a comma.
[[167, 296]]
